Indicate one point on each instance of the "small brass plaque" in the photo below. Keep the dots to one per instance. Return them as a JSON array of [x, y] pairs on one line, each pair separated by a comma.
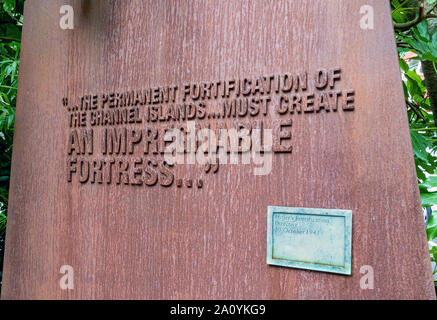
[[313, 239]]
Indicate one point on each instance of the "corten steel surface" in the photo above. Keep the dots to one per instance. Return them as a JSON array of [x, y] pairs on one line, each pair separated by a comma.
[[126, 241]]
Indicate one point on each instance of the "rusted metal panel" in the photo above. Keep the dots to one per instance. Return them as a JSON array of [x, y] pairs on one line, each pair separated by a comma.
[[203, 234]]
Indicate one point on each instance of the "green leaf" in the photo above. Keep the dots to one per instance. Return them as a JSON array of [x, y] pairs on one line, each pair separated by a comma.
[[428, 199], [431, 229], [9, 6], [419, 145], [431, 182], [404, 65], [422, 28]]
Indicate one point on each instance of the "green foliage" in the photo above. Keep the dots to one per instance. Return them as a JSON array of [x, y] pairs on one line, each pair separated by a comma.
[[11, 19], [10, 35], [422, 43], [433, 254], [419, 40]]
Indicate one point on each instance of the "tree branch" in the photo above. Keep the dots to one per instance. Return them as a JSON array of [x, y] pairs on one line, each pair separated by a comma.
[[420, 16], [9, 39], [416, 111], [429, 71]]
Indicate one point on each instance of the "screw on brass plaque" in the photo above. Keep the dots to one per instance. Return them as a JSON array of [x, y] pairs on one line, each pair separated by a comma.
[[312, 239]]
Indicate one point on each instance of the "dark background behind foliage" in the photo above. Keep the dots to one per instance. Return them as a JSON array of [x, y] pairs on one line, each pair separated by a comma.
[[414, 22]]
